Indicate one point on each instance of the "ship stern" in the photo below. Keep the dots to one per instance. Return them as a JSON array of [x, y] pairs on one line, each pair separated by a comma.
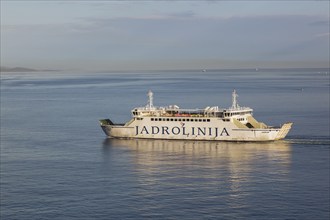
[[106, 125]]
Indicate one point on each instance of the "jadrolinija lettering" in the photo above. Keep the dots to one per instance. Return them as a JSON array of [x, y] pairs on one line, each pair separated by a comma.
[[184, 131]]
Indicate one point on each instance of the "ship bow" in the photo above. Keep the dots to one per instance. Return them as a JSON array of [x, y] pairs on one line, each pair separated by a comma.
[[284, 131]]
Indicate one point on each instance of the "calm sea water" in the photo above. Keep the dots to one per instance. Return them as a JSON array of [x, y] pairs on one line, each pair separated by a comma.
[[56, 163]]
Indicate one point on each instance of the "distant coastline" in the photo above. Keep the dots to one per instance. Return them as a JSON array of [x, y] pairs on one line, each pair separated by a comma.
[[4, 69], [217, 70]]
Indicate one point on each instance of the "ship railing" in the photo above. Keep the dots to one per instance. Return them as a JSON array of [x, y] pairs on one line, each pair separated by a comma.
[[238, 109]]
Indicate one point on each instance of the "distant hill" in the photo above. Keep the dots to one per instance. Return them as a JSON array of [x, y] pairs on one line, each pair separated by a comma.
[[16, 69], [21, 69]]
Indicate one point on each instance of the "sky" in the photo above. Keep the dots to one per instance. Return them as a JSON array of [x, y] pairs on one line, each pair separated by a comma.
[[149, 35]]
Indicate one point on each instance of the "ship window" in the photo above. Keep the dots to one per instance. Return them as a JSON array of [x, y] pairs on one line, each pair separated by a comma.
[[171, 119], [204, 120], [152, 119], [183, 119], [199, 119], [175, 119], [208, 120], [167, 119], [179, 119]]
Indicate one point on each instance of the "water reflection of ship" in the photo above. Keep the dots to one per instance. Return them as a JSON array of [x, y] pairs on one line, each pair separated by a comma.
[[279, 151], [229, 170]]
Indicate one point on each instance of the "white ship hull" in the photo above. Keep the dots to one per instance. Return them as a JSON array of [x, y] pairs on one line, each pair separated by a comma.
[[215, 130], [211, 123]]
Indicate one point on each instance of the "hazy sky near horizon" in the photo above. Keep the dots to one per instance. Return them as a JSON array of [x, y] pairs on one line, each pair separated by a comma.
[[135, 35]]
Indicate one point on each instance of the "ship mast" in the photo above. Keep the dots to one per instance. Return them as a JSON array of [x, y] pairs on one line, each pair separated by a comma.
[[234, 99], [150, 100]]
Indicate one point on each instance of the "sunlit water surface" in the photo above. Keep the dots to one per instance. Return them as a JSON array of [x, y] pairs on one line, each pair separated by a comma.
[[56, 163]]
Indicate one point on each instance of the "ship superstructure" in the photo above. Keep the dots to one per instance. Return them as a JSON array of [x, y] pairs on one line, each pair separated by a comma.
[[211, 123]]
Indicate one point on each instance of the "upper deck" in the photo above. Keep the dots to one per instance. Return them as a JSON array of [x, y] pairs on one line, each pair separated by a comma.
[[174, 111]]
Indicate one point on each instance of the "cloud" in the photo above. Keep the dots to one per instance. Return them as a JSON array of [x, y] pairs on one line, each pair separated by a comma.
[[320, 23], [323, 35], [184, 14]]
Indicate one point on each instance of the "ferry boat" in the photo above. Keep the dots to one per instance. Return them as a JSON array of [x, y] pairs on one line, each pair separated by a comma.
[[211, 123]]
